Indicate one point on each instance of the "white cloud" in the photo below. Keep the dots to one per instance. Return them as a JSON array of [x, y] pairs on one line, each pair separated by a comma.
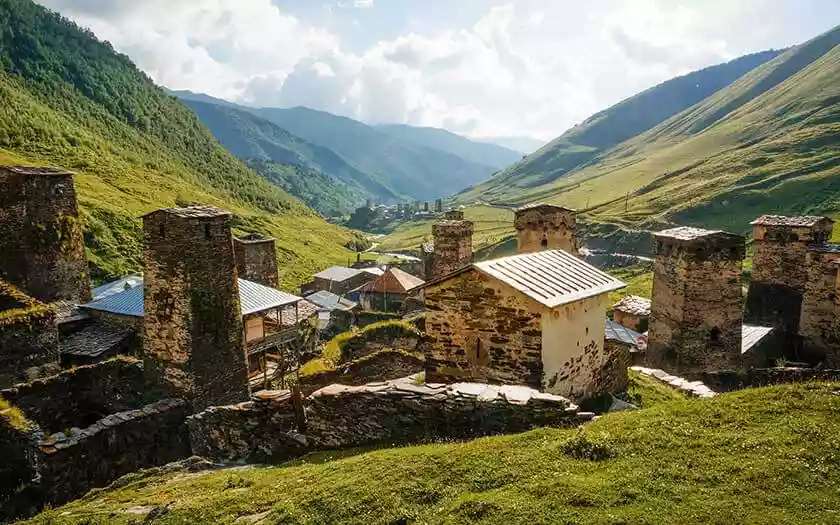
[[531, 67]]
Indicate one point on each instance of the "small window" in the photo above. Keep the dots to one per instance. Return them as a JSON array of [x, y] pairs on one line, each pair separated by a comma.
[[714, 335], [162, 230], [206, 231], [478, 348], [544, 242]]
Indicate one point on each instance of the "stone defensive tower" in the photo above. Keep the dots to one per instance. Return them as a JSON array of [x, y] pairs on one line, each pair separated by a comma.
[[780, 272], [256, 259], [545, 227], [697, 306], [193, 340], [452, 244], [819, 322], [41, 245]]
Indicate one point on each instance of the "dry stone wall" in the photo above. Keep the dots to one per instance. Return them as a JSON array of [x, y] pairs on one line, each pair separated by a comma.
[[819, 325], [757, 377], [392, 412], [256, 260], [453, 246], [546, 227], [28, 349], [80, 396], [70, 465]]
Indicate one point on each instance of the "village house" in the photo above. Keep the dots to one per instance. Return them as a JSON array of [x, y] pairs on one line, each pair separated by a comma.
[[341, 280], [536, 319], [334, 312], [632, 312], [389, 292]]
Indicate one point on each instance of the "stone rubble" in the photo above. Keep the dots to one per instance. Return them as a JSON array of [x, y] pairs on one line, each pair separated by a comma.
[[692, 388]]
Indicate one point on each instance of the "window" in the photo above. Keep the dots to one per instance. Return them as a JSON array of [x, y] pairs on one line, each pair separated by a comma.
[[714, 335], [544, 242], [206, 231], [162, 230]]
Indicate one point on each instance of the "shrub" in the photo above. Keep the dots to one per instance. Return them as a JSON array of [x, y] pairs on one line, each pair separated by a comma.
[[593, 447]]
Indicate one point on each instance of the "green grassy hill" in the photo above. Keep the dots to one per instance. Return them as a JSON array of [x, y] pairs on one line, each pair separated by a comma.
[[767, 143], [758, 456], [484, 153], [68, 100]]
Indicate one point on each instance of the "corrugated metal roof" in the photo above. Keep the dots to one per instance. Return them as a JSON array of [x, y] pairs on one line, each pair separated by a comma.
[[552, 277], [617, 332], [752, 335], [253, 297], [115, 287], [330, 301], [338, 273]]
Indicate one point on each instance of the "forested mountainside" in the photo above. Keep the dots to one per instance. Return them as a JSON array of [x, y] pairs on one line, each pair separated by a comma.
[[313, 173], [483, 153], [69, 100], [767, 143]]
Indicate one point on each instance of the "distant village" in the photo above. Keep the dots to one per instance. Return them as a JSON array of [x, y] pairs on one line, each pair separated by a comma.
[[201, 352]]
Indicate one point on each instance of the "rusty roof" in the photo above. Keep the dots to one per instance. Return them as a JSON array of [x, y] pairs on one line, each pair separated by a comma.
[[395, 281], [802, 221], [552, 277]]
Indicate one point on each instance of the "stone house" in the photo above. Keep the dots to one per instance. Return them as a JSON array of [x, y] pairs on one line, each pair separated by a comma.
[[819, 322], [389, 292], [28, 337], [632, 312], [334, 312], [535, 319], [340, 280], [451, 248]]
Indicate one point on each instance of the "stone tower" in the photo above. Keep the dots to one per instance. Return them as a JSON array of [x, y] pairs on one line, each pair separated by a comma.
[[256, 259], [697, 307], [545, 227], [819, 322], [41, 243], [779, 272], [193, 340], [452, 244]]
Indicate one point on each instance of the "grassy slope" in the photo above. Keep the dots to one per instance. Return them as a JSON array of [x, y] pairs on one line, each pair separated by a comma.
[[70, 101], [757, 456], [767, 143]]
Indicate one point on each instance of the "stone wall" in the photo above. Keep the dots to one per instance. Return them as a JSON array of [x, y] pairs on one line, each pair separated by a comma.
[[728, 381], [452, 245], [17, 467], [193, 340], [476, 329], [545, 227], [71, 465], [80, 396], [617, 359], [41, 245], [379, 366], [256, 260], [697, 304], [28, 346], [395, 412], [819, 324]]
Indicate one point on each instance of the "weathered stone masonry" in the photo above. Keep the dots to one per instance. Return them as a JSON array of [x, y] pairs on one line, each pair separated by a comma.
[[28, 337], [780, 271], [193, 340], [394, 412], [41, 245], [819, 323], [546, 227], [256, 260], [697, 306], [452, 245]]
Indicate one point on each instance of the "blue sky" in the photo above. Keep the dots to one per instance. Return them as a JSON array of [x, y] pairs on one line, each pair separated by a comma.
[[477, 67]]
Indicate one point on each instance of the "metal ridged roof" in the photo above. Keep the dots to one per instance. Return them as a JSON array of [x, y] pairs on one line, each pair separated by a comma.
[[552, 277], [253, 298], [338, 273], [616, 332], [752, 335]]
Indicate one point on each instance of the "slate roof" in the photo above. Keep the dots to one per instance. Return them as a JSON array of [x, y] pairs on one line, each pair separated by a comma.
[[784, 220], [551, 277], [633, 304], [752, 335], [542, 205], [617, 332], [329, 301], [686, 233], [253, 298], [338, 274], [67, 312], [36, 170], [93, 340], [190, 212]]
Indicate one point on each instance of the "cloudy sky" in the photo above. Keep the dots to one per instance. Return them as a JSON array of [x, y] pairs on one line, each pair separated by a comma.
[[477, 67]]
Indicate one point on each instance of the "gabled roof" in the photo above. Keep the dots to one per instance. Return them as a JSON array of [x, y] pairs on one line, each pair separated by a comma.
[[192, 212], [253, 298], [551, 277], [394, 280], [338, 273], [633, 304], [115, 287], [803, 221]]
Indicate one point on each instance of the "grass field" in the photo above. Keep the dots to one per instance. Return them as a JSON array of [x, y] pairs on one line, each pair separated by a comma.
[[767, 455]]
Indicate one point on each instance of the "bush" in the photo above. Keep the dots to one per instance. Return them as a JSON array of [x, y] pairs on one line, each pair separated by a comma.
[[593, 447]]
